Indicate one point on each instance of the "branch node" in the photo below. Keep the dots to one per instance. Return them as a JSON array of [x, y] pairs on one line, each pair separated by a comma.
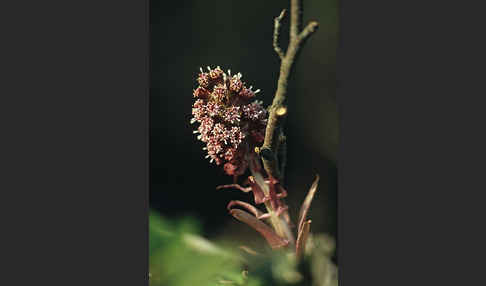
[[308, 30], [281, 111]]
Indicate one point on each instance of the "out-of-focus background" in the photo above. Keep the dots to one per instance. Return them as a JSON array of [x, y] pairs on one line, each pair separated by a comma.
[[237, 35]]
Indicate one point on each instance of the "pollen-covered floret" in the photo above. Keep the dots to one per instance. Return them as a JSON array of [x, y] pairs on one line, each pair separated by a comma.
[[248, 93], [232, 115], [203, 79], [229, 124], [235, 83], [254, 111], [216, 73], [220, 92]]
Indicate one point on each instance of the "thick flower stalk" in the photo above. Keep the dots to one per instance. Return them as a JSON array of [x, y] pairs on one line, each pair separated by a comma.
[[231, 122]]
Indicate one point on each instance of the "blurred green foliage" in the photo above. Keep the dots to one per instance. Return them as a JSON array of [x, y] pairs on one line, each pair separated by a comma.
[[179, 256]]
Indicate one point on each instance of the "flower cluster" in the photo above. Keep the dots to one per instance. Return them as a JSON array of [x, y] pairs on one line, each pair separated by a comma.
[[230, 123]]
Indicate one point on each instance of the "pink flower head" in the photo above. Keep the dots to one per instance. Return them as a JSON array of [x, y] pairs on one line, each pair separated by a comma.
[[230, 124]]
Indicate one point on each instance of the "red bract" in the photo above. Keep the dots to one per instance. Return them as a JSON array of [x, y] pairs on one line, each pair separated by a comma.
[[270, 192], [230, 124]]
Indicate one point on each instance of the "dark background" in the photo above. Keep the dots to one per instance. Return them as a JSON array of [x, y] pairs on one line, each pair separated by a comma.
[[237, 35]]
